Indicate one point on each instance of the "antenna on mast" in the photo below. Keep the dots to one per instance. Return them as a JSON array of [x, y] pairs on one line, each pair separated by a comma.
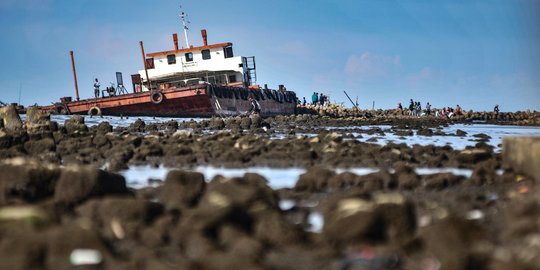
[[185, 22]]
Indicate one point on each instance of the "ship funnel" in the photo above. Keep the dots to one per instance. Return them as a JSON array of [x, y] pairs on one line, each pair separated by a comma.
[[204, 37], [175, 40]]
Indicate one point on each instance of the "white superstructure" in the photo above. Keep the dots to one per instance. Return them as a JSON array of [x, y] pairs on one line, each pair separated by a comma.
[[214, 63]]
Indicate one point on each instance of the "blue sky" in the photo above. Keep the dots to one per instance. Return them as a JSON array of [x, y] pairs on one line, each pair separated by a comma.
[[446, 52]]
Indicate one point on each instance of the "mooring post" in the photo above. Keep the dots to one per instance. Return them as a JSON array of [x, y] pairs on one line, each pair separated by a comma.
[[145, 66], [74, 75]]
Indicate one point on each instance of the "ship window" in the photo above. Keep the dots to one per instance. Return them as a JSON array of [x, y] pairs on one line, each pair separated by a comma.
[[189, 57], [228, 52], [149, 63], [171, 59], [232, 78], [205, 54]]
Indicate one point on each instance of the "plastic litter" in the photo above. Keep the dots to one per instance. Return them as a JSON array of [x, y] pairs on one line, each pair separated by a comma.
[[85, 257]]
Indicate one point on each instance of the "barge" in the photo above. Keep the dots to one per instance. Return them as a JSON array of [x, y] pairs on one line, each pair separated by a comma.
[[193, 81]]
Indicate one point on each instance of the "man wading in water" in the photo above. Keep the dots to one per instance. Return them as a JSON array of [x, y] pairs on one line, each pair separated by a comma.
[[255, 107]]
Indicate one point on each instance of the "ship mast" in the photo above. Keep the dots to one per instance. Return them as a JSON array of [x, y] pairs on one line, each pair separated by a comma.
[[183, 17]]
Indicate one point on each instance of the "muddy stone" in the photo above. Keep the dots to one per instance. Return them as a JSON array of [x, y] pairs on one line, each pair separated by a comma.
[[75, 125], [314, 180], [104, 128], [60, 249], [523, 155], [35, 147], [460, 133], [120, 217], [217, 123], [452, 241], [5, 140], [79, 183], [11, 119], [473, 155], [137, 126], [245, 123], [26, 181], [386, 217], [181, 189], [256, 121]]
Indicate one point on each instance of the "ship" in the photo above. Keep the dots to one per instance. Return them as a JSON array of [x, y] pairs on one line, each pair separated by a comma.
[[192, 81]]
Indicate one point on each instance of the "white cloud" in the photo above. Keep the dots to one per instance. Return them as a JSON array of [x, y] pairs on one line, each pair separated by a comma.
[[425, 74], [371, 66]]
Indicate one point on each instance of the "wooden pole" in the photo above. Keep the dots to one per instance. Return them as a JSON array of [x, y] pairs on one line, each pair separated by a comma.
[[145, 66], [74, 75], [354, 105]]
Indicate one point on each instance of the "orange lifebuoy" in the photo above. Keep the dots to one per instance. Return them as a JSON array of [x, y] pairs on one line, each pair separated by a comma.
[[156, 97], [94, 111]]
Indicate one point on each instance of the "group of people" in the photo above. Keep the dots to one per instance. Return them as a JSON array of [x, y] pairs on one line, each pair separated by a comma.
[[449, 112], [320, 99], [415, 109], [316, 99]]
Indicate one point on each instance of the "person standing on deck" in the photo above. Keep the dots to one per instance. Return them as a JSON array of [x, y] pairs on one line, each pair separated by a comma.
[[96, 88], [496, 111]]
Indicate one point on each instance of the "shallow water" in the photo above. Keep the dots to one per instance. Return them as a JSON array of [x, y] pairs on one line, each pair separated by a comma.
[[278, 178], [496, 132], [117, 121]]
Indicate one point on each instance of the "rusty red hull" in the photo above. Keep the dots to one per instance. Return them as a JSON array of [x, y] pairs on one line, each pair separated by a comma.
[[195, 101]]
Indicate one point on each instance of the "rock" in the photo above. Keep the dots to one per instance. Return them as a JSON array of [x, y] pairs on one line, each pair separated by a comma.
[[26, 181], [12, 121], [440, 181], [298, 258], [460, 133], [522, 154], [245, 123], [5, 140], [217, 123], [256, 121], [148, 150], [35, 147], [226, 202], [181, 189], [272, 228], [22, 251], [38, 123], [104, 128], [386, 217], [137, 126], [79, 183], [473, 155], [223, 261], [342, 181], [75, 125], [451, 242], [377, 181], [22, 219], [84, 246], [120, 217], [172, 125], [314, 180], [424, 132]]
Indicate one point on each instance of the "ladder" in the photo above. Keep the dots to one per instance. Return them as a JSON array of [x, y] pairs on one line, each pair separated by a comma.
[[250, 76]]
